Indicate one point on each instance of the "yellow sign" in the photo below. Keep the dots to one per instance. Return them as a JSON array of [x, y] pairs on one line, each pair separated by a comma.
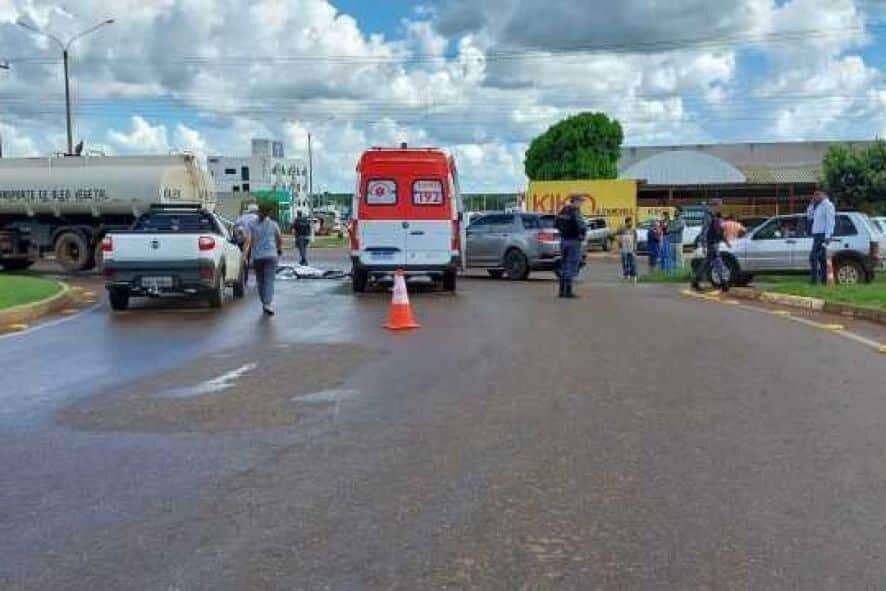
[[615, 199], [646, 213]]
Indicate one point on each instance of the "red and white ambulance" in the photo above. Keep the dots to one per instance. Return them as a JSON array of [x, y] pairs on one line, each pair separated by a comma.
[[407, 214]]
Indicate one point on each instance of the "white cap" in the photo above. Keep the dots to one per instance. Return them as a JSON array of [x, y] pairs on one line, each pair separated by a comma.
[[252, 207]]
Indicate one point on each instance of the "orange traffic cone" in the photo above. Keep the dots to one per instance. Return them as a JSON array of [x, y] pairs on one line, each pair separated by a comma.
[[831, 279], [400, 316]]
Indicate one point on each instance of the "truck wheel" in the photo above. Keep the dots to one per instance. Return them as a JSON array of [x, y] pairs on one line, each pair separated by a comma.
[[119, 298], [449, 280], [240, 286], [16, 264], [359, 278], [217, 296], [606, 246], [72, 252], [516, 266]]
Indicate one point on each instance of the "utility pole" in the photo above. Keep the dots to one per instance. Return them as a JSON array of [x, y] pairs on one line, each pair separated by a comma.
[[65, 47], [3, 66]]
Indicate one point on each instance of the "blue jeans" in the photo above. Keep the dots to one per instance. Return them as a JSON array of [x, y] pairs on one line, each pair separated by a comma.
[[302, 245], [265, 273], [664, 250], [629, 264], [818, 260], [653, 254], [570, 253]]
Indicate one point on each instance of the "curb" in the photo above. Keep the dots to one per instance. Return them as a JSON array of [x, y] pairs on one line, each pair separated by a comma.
[[25, 313], [816, 304]]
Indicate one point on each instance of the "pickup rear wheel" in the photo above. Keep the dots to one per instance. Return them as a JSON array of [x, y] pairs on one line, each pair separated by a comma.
[[240, 286], [449, 280], [217, 296], [119, 298]]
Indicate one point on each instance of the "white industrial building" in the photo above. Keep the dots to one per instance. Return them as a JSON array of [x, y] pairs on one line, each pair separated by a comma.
[[266, 169]]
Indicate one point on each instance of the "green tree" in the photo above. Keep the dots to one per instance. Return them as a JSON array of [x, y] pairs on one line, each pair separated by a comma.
[[584, 146], [856, 179]]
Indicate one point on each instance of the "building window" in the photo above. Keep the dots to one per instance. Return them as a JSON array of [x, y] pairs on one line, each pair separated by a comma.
[[230, 171], [244, 173], [235, 188], [245, 187]]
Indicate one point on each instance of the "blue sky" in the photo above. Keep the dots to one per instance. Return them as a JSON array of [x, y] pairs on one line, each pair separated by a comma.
[[479, 77]]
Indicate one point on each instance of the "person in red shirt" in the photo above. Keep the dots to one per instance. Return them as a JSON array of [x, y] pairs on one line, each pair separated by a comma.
[[732, 228]]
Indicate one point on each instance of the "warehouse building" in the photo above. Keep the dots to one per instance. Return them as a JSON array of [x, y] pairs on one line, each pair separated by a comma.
[[750, 178]]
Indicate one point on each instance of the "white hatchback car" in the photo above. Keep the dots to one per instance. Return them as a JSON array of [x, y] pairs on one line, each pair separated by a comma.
[[781, 245]]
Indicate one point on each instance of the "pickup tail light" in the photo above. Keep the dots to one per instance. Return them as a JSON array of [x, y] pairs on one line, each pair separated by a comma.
[[107, 244], [548, 236], [205, 243]]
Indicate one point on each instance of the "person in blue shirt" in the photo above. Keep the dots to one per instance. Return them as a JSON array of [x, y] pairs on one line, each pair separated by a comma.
[[823, 221]]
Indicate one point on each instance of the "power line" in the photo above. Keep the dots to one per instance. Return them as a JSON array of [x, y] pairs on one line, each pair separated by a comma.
[[642, 47]]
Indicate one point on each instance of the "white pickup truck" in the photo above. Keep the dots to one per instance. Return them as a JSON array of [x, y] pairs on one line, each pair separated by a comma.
[[173, 250]]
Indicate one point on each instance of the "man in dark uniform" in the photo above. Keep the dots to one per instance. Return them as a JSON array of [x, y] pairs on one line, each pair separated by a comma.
[[301, 227], [573, 228]]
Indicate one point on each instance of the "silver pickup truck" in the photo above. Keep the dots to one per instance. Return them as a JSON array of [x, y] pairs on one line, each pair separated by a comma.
[[782, 244]]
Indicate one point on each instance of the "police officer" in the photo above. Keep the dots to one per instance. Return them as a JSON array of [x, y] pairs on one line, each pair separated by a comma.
[[573, 228]]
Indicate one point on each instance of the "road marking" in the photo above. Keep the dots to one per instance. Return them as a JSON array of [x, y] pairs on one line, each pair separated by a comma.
[[46, 324], [837, 329]]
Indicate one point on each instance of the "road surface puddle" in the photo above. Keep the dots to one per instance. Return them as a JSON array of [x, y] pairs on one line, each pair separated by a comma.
[[238, 391]]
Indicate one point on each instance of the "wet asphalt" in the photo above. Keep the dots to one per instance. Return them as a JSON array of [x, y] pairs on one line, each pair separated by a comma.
[[632, 439]]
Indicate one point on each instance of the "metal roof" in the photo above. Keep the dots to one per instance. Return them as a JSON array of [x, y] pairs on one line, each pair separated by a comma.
[[683, 167]]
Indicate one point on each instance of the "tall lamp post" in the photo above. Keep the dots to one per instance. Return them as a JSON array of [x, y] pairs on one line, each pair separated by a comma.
[[65, 46]]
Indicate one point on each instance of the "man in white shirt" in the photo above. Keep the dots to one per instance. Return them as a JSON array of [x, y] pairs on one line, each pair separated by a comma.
[[823, 221]]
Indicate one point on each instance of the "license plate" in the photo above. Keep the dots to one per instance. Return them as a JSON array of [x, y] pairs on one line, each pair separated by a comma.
[[156, 282], [383, 256]]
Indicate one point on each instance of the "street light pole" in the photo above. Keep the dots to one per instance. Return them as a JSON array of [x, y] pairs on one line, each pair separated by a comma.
[[65, 47], [68, 104]]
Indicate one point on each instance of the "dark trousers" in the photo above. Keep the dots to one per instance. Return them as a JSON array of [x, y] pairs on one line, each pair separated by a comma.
[[570, 253], [818, 260], [714, 262], [629, 264], [302, 245]]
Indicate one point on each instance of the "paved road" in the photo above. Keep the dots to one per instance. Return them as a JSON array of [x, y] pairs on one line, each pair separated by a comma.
[[634, 439]]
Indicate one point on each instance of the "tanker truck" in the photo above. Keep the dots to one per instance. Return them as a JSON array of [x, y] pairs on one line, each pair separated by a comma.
[[64, 205]]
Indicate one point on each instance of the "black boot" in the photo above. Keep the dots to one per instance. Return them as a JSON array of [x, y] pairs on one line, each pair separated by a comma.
[[562, 292], [569, 293]]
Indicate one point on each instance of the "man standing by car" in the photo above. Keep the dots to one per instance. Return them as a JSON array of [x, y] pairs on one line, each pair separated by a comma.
[[301, 228], [242, 228], [711, 238], [263, 247], [823, 221], [572, 227], [674, 231]]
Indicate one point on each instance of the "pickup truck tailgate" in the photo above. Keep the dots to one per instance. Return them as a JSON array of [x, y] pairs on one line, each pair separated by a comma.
[[154, 247]]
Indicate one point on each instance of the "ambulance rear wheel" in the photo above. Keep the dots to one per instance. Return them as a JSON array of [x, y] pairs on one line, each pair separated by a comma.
[[359, 278]]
